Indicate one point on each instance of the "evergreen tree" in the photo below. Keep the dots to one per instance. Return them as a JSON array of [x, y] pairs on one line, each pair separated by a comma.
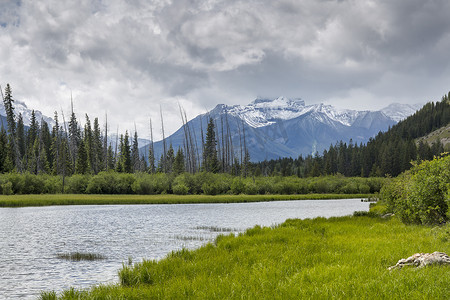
[[33, 130], [135, 160], [170, 158], [33, 154], [45, 156], [125, 154], [151, 160], [55, 147], [74, 136], [3, 148], [179, 163], [97, 148], [82, 164], [210, 160], [110, 158], [89, 143], [12, 159], [246, 163], [21, 142]]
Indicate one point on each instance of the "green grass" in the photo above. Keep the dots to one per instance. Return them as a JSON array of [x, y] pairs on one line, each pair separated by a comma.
[[76, 199], [78, 256], [336, 258]]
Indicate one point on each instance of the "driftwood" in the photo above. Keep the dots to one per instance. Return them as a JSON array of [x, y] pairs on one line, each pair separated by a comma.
[[421, 260]]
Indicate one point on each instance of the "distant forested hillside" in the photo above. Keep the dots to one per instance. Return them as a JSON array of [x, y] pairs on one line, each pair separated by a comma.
[[390, 152]]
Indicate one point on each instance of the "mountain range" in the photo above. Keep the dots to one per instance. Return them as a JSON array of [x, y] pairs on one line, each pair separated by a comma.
[[284, 127], [273, 128]]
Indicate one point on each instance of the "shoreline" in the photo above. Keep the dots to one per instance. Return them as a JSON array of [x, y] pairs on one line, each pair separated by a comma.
[[97, 199]]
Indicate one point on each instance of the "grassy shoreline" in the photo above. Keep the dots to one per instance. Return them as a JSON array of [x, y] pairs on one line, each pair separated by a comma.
[[91, 199], [335, 258]]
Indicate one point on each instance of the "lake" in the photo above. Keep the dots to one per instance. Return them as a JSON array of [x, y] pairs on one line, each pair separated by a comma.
[[32, 237]]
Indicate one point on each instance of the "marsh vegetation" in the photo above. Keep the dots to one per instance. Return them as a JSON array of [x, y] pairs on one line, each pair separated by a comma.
[[345, 257]]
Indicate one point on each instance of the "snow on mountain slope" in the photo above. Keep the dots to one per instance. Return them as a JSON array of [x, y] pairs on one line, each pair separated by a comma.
[[264, 112], [21, 108], [398, 112]]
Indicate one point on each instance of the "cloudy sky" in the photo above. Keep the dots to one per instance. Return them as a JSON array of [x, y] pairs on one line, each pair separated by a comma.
[[129, 58]]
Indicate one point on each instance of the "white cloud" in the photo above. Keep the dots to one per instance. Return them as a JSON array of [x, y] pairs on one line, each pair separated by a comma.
[[128, 58]]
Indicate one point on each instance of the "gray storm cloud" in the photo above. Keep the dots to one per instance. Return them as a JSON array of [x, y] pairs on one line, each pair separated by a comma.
[[128, 58]]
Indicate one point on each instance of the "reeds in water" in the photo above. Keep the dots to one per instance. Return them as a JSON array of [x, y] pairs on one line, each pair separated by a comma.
[[78, 256]]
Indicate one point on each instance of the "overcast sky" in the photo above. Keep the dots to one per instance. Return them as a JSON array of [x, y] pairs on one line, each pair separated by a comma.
[[128, 58]]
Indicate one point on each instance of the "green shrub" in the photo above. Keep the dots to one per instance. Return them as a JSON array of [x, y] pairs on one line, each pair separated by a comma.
[[52, 184], [215, 184], [238, 186], [251, 188], [7, 188], [77, 184], [180, 189], [421, 195]]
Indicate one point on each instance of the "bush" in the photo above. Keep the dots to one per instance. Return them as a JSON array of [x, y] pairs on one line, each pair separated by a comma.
[[251, 188], [53, 184], [7, 188], [180, 189], [77, 184], [421, 196], [238, 186], [215, 184]]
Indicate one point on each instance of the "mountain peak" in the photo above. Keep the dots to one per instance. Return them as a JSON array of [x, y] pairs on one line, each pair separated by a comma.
[[399, 111], [279, 102]]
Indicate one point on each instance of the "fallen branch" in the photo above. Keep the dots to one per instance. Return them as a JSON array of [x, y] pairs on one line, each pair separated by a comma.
[[421, 260]]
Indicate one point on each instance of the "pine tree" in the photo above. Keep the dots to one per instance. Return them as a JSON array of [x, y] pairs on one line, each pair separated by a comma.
[[97, 148], [246, 163], [33, 130], [55, 148], [135, 160], [170, 158], [45, 156], [179, 163], [89, 143], [125, 154], [110, 158], [21, 141], [210, 160], [13, 159], [151, 160], [82, 165], [74, 136], [3, 148]]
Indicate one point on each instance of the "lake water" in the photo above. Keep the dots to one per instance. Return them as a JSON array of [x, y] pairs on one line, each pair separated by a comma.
[[32, 237]]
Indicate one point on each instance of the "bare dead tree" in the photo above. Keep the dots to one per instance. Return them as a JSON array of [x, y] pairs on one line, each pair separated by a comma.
[[196, 160], [105, 142], [117, 142], [164, 142], [186, 144], [151, 154]]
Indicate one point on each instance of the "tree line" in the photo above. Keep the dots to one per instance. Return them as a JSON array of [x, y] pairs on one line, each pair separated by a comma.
[[68, 148], [390, 152]]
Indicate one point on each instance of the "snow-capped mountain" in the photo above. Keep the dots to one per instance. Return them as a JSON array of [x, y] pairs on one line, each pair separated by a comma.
[[264, 112], [285, 127], [398, 112], [21, 108]]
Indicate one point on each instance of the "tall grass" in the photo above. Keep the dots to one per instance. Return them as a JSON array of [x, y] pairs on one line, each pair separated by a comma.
[[341, 258], [76, 199]]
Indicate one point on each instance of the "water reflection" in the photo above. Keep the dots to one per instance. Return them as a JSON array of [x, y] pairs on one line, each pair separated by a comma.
[[31, 238]]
